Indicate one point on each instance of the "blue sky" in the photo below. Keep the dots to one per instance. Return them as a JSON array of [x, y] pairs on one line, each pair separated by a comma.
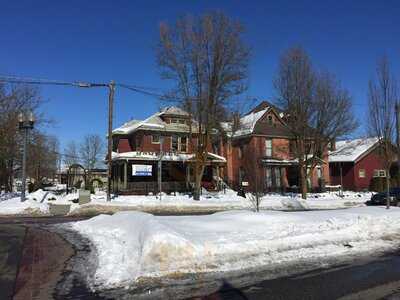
[[104, 40]]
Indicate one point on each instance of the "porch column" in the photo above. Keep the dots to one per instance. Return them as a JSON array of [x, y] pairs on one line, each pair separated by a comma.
[[126, 175], [187, 175]]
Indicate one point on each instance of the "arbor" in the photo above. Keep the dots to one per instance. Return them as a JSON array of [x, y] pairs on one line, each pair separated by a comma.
[[382, 97], [91, 151], [317, 110], [207, 60]]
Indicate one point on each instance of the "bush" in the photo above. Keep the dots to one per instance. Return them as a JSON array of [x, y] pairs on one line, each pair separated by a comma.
[[377, 184]]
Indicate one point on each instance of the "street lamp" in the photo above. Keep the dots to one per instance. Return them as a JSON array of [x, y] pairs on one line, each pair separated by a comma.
[[25, 123]]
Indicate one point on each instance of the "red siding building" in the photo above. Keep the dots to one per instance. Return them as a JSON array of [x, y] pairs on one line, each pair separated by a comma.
[[354, 163]]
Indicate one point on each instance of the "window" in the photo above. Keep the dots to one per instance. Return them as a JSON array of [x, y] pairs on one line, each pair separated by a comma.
[[319, 172], [181, 121], [183, 143], [361, 173], [268, 176], [155, 139], [268, 147], [174, 143], [379, 173], [173, 120], [278, 177], [240, 151]]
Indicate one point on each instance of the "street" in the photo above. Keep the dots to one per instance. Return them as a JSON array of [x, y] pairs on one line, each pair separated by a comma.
[[35, 263]]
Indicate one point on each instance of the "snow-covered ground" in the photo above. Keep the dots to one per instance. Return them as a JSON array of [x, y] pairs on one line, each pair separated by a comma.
[[222, 201], [38, 203], [135, 246]]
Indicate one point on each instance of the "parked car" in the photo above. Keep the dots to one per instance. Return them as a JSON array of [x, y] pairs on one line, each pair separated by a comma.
[[380, 198]]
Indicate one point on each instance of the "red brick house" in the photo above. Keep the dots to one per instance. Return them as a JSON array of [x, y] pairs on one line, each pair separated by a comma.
[[138, 146], [263, 140], [355, 163]]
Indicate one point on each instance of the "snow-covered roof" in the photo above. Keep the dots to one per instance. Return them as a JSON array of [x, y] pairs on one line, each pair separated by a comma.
[[247, 123], [173, 110], [351, 150], [167, 156], [155, 122]]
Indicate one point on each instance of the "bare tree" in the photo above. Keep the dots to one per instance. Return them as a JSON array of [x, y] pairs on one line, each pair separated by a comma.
[[91, 151], [43, 157], [207, 59], [13, 100], [317, 110], [71, 155], [382, 97], [252, 175]]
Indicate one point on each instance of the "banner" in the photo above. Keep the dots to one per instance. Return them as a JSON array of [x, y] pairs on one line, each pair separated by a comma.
[[142, 170]]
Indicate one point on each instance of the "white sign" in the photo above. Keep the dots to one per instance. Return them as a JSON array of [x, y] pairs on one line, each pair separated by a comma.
[[245, 183], [142, 170]]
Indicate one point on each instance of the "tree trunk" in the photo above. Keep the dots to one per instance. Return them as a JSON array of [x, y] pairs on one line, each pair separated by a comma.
[[387, 190], [303, 181], [199, 170]]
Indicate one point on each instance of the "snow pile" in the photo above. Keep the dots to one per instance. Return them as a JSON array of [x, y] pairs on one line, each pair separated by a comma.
[[211, 201], [14, 206], [134, 245], [35, 203]]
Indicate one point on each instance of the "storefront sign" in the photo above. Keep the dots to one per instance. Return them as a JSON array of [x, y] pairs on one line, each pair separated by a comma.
[[142, 170]]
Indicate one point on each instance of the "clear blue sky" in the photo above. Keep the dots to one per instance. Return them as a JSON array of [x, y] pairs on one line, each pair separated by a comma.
[[104, 40]]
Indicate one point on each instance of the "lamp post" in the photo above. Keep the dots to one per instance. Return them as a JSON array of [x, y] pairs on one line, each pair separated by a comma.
[[25, 123]]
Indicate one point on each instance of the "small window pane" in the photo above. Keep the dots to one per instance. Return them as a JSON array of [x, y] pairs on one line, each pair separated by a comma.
[[174, 143], [155, 139], [361, 173], [268, 147], [183, 144]]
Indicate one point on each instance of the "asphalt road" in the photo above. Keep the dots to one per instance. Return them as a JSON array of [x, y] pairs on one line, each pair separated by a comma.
[[34, 261]]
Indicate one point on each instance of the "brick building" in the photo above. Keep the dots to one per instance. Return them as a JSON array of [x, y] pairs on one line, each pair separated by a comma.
[[138, 146], [259, 151]]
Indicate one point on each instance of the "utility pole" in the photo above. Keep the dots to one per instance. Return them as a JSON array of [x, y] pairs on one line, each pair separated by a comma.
[[160, 167], [398, 134], [111, 89]]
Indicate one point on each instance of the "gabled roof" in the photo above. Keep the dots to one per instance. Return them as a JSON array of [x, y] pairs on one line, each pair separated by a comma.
[[352, 150], [249, 121], [155, 122]]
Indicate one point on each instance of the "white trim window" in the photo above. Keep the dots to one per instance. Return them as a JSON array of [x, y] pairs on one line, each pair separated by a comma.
[[361, 173], [268, 147], [379, 173], [174, 143], [183, 144], [155, 138]]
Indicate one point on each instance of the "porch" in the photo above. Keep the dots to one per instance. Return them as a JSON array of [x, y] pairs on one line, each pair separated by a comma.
[[141, 176]]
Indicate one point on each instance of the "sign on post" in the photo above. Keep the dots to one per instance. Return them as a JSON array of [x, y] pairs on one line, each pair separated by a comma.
[[142, 170]]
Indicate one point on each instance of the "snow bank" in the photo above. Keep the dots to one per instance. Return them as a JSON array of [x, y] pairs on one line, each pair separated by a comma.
[[35, 203], [225, 201], [133, 245]]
